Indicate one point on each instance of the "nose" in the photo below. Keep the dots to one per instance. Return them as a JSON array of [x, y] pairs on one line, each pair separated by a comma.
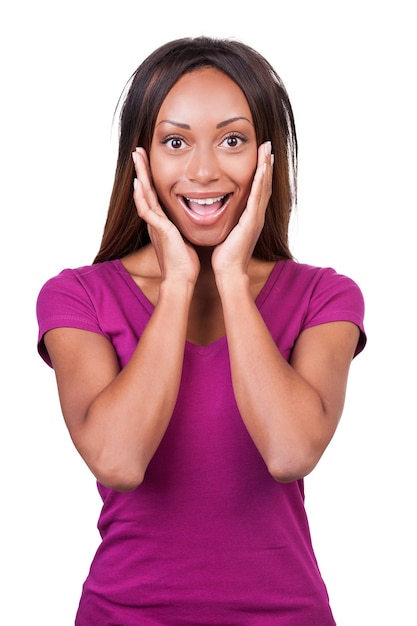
[[203, 165]]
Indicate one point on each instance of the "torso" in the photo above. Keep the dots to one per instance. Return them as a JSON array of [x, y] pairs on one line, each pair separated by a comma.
[[205, 322]]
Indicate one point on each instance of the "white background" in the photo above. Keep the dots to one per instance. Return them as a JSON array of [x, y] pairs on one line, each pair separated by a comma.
[[350, 69]]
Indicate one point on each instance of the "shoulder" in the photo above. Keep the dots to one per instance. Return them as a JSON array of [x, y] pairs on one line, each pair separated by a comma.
[[76, 298], [334, 297], [312, 280], [314, 295], [85, 275], [89, 283]]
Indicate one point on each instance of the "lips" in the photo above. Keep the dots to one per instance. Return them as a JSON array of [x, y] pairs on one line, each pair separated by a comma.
[[206, 206]]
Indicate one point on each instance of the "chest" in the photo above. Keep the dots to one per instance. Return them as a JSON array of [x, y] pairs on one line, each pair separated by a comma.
[[205, 321]]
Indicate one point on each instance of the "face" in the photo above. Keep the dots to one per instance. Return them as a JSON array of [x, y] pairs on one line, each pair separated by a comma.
[[203, 155]]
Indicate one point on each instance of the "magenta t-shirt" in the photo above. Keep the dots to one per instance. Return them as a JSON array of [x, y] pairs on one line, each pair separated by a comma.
[[209, 537]]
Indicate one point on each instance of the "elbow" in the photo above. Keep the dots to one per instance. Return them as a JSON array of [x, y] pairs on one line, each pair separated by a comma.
[[123, 484], [293, 467], [289, 474], [114, 463], [295, 458], [117, 474]]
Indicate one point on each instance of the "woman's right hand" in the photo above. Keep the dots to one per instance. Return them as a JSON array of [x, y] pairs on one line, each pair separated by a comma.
[[177, 259]]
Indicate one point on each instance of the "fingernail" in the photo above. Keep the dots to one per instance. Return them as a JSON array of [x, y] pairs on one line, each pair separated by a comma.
[[135, 183], [134, 157], [267, 148]]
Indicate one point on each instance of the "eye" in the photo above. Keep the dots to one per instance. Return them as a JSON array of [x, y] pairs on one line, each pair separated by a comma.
[[234, 140], [174, 142]]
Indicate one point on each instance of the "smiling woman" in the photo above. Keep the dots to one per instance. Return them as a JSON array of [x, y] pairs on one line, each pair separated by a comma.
[[271, 114], [201, 370], [202, 165]]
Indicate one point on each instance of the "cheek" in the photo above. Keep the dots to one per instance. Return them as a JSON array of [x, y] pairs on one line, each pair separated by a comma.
[[248, 173], [248, 167], [163, 174], [158, 176]]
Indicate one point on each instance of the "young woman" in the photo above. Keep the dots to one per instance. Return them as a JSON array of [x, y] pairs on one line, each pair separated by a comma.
[[201, 370]]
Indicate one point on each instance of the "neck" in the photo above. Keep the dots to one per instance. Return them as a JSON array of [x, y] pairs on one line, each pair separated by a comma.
[[206, 282], [204, 254]]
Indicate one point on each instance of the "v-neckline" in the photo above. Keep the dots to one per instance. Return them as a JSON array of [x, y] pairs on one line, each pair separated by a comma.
[[202, 349]]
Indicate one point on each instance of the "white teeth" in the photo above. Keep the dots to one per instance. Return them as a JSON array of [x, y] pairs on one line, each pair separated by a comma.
[[204, 200]]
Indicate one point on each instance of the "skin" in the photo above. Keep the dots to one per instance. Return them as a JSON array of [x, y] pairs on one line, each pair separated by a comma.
[[199, 273]]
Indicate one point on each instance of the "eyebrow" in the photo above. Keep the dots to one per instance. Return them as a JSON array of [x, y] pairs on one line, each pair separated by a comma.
[[219, 125], [233, 119]]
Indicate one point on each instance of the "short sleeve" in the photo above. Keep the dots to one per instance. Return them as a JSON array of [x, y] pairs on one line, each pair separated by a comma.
[[64, 302], [337, 298]]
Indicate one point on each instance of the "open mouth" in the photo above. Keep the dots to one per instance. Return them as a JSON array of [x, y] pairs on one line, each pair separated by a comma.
[[206, 206]]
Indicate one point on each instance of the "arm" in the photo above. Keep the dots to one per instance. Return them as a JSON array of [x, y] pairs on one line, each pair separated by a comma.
[[291, 410], [116, 419]]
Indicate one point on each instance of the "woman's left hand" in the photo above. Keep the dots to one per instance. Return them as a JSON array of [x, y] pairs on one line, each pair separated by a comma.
[[234, 253]]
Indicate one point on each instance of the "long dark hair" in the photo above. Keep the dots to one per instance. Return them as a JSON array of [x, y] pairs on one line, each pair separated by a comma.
[[124, 231]]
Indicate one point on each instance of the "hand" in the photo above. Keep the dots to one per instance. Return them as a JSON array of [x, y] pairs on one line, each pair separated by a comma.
[[177, 259], [234, 254]]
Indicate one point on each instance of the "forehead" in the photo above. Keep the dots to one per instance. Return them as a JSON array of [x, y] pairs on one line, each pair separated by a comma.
[[204, 92]]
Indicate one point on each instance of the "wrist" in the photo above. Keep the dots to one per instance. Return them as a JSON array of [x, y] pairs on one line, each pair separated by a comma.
[[176, 289], [232, 283]]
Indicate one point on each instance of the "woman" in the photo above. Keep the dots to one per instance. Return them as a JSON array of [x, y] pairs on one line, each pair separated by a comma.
[[201, 370]]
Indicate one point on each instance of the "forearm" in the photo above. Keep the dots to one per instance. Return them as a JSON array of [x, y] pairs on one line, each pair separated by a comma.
[[283, 413], [127, 420]]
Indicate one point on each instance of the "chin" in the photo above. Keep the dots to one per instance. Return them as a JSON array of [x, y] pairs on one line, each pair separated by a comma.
[[205, 237], [208, 241]]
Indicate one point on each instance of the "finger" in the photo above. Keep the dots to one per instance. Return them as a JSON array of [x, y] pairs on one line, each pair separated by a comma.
[[262, 183], [144, 192], [143, 169], [268, 164], [156, 219], [140, 160]]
